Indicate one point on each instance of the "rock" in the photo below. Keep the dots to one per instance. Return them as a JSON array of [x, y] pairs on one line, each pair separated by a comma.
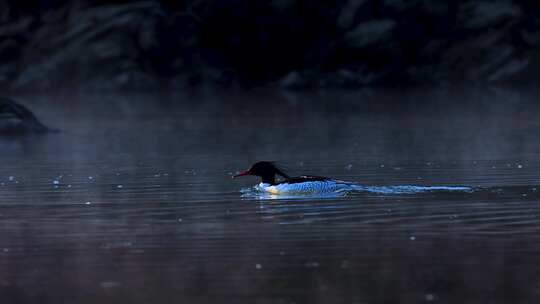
[[147, 35], [293, 80], [350, 43], [9, 54], [18, 28], [16, 118], [8, 71], [485, 58], [531, 38], [345, 78], [400, 5], [4, 11], [346, 16], [482, 14], [282, 5], [40, 75], [54, 16], [130, 79], [509, 69], [9, 50], [204, 77], [104, 43], [436, 8], [370, 33], [189, 34], [494, 58]]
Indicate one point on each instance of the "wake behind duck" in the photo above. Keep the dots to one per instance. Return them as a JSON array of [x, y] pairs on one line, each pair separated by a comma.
[[320, 186]]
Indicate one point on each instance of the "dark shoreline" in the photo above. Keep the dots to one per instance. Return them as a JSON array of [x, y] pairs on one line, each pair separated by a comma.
[[154, 45]]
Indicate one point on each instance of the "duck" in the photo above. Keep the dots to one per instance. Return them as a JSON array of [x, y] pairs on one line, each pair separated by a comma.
[[304, 184]]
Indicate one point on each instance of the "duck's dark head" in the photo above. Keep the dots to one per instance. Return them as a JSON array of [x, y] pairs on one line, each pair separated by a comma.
[[264, 169]]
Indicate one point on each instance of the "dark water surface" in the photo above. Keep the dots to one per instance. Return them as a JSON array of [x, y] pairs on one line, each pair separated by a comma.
[[134, 203]]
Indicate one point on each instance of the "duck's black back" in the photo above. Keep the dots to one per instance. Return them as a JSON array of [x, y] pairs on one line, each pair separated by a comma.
[[305, 178]]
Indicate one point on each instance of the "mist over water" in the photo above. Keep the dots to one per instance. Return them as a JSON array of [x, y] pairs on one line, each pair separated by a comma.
[[134, 202]]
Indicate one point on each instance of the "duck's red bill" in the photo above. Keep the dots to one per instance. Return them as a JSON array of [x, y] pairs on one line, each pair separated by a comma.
[[242, 174]]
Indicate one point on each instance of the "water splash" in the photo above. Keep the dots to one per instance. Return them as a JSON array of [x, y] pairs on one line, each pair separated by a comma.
[[411, 189]]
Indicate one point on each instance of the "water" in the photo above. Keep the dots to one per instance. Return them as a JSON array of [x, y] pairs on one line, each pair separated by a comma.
[[134, 202]]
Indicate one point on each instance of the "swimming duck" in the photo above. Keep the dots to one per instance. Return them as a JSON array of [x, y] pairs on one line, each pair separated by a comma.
[[268, 171]]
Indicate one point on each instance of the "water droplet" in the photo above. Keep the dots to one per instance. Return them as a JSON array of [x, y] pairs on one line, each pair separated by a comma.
[[90, 177], [412, 238], [55, 182], [11, 178], [258, 266], [88, 203], [520, 166], [119, 186]]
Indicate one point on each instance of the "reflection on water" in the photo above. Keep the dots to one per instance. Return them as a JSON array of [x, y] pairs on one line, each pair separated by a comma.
[[133, 201]]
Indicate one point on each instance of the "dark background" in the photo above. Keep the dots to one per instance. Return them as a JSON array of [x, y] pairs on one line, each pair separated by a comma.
[[284, 43], [132, 200]]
